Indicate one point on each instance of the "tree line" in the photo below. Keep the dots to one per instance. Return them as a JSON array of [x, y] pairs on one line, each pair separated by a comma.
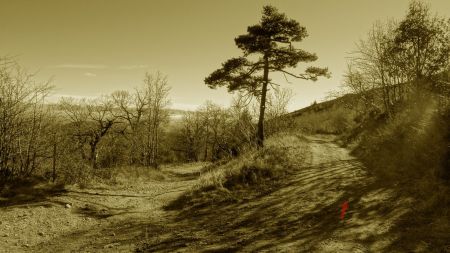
[[70, 140]]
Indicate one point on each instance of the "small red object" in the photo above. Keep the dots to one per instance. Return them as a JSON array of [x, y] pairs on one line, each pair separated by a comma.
[[344, 209]]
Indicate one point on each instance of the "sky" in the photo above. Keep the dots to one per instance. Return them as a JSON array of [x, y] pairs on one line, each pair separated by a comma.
[[94, 47]]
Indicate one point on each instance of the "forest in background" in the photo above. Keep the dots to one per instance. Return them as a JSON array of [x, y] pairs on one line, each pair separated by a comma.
[[74, 140]]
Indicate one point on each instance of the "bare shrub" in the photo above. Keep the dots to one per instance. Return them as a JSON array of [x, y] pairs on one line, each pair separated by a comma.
[[277, 118], [22, 123]]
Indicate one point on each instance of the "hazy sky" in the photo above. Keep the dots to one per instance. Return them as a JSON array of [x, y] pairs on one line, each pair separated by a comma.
[[94, 47]]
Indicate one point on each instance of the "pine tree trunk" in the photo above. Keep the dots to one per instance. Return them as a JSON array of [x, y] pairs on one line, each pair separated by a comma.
[[262, 107]]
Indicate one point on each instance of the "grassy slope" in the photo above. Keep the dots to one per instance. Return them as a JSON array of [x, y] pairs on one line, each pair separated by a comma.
[[410, 152], [330, 117]]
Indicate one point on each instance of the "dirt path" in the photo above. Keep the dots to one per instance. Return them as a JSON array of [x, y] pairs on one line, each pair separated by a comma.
[[98, 220], [302, 215]]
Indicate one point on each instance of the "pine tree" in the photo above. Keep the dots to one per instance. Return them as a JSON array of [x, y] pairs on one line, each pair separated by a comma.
[[267, 47]]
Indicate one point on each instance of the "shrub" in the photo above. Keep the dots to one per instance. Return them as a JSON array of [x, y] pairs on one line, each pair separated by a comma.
[[75, 171], [255, 167]]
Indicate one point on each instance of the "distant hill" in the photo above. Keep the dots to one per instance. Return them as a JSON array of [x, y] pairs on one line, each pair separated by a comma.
[[325, 105]]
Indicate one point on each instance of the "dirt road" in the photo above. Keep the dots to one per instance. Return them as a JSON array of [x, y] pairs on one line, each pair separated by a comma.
[[301, 215]]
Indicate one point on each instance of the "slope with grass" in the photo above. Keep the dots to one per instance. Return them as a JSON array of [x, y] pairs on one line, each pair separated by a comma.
[[408, 151]]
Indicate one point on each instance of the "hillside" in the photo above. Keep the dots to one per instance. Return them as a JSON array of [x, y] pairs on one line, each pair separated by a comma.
[[409, 151]]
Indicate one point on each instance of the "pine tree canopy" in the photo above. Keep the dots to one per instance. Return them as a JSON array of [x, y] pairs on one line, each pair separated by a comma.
[[273, 39]]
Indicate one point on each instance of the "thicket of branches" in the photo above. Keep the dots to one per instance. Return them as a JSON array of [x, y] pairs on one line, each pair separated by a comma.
[[214, 133], [398, 59], [124, 128], [23, 145]]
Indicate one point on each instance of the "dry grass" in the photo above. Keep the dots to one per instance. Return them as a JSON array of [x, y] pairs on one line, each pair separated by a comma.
[[253, 173], [272, 162], [412, 145], [252, 168], [122, 177], [334, 120]]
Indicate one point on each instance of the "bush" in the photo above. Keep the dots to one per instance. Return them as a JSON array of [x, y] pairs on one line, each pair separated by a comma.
[[255, 167], [75, 171]]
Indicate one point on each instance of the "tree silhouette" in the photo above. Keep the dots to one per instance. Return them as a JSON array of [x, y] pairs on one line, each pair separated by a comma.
[[267, 47]]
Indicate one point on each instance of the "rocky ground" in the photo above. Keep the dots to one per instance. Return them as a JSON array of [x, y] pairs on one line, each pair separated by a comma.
[[102, 219]]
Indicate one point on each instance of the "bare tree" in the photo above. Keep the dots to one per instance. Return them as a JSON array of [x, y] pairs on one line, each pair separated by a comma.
[[423, 40], [91, 120], [374, 67], [277, 109], [396, 57], [130, 108], [357, 83], [243, 124], [215, 121], [278, 102], [156, 90]]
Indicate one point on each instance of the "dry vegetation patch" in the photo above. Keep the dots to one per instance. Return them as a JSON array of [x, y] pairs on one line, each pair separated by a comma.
[[254, 173]]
